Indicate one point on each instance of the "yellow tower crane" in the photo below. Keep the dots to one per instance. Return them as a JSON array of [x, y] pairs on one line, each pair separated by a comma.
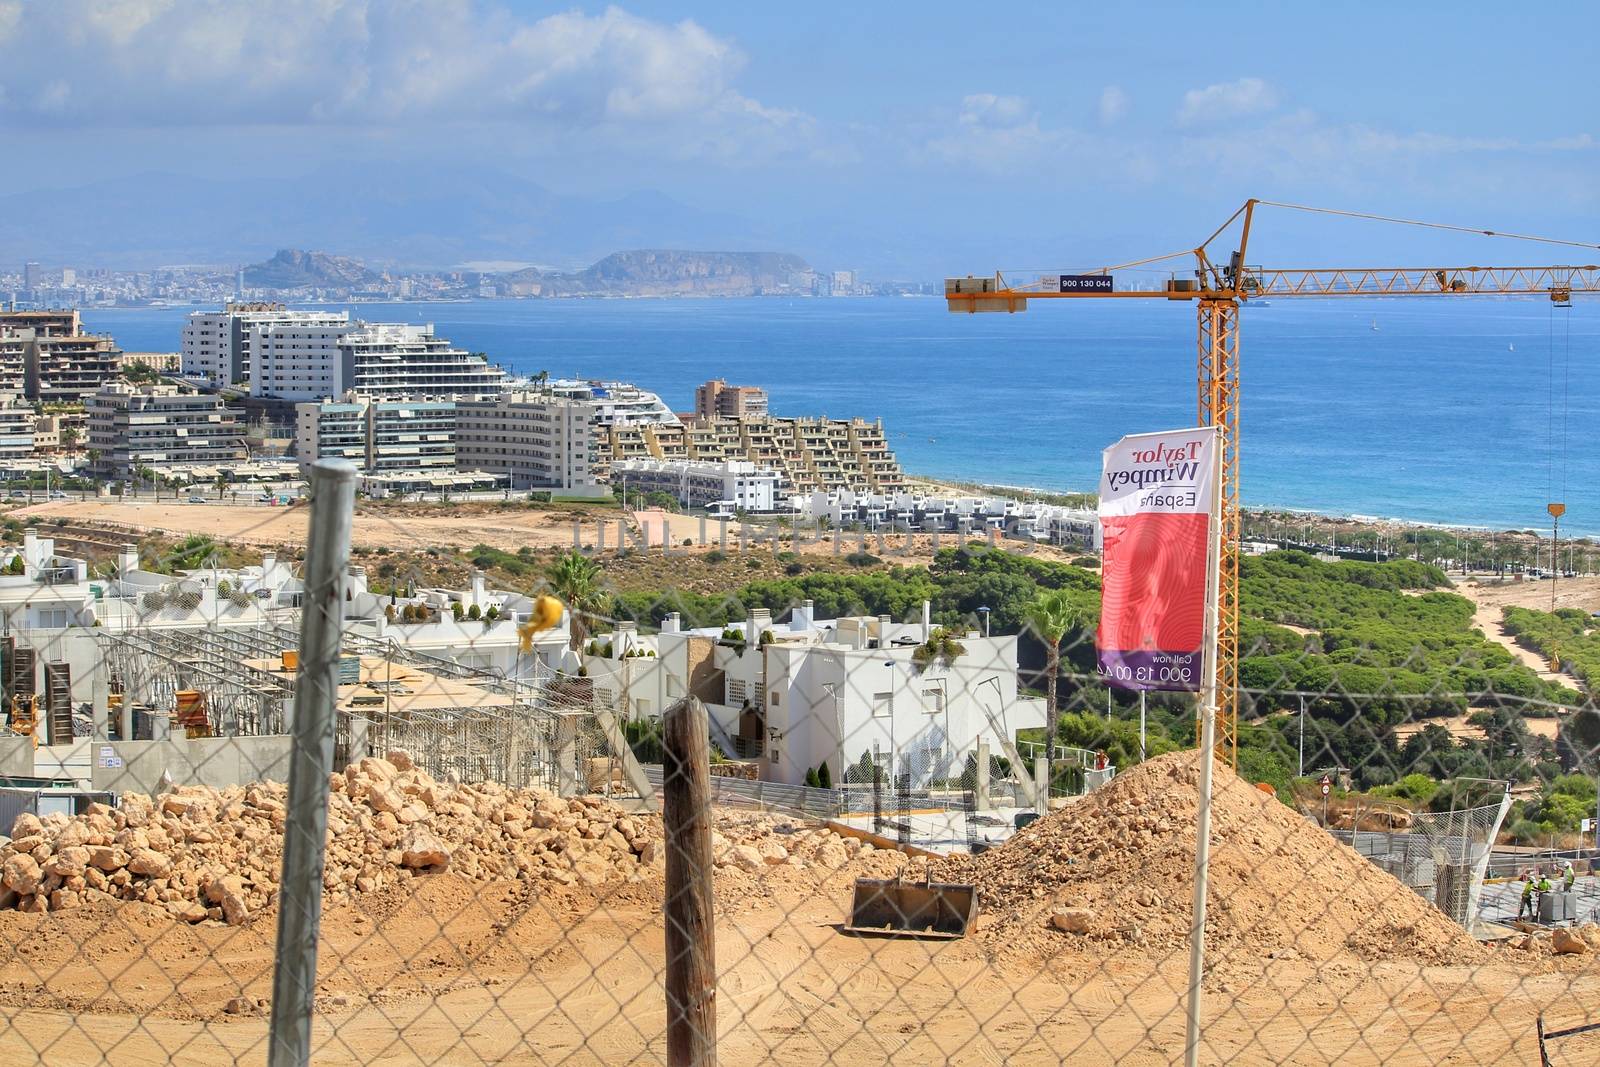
[[1218, 289]]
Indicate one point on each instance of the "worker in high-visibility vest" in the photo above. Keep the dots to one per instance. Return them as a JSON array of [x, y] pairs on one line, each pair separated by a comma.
[[1543, 885], [1527, 897], [1568, 876]]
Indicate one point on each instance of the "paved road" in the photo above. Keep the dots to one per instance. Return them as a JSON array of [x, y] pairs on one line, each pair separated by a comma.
[[1499, 902]]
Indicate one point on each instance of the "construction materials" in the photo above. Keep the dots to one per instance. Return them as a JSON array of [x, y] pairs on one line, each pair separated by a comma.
[[191, 713], [893, 907], [58, 702], [25, 716]]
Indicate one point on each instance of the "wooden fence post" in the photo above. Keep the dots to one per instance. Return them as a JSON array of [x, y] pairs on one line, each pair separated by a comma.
[[691, 978]]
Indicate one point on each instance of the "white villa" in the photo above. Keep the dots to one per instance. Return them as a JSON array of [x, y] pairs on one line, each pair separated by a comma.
[[798, 694]]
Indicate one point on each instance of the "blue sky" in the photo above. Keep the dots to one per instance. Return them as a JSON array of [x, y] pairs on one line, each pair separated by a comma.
[[910, 139]]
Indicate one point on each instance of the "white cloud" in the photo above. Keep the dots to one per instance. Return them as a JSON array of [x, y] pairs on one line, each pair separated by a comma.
[[364, 62], [1247, 96], [1114, 104], [994, 111]]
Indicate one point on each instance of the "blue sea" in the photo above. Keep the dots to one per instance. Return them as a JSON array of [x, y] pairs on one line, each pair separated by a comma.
[[1442, 411]]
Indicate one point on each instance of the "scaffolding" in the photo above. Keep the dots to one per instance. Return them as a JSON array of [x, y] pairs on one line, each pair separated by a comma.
[[458, 722]]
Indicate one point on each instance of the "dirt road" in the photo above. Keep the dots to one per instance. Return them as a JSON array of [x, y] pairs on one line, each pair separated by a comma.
[[1491, 600]]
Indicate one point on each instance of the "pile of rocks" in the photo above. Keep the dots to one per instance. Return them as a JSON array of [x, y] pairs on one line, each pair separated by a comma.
[[752, 842], [215, 854]]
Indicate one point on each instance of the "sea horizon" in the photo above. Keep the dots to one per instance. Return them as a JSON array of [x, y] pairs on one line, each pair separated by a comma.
[[1445, 413]]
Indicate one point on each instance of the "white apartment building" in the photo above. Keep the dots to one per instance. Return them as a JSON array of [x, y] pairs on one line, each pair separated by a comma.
[[724, 488], [843, 691], [304, 362], [538, 440], [297, 360], [17, 426], [161, 426], [218, 346], [378, 436], [616, 403]]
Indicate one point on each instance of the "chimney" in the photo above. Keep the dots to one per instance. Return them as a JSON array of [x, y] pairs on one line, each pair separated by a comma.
[[759, 621], [927, 621], [802, 616], [622, 641], [478, 594], [128, 560], [882, 630], [672, 623]]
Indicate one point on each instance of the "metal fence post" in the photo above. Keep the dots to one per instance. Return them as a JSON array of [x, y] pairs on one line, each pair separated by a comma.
[[333, 485], [688, 908]]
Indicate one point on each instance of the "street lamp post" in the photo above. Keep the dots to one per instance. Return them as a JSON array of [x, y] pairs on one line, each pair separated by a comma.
[[984, 611]]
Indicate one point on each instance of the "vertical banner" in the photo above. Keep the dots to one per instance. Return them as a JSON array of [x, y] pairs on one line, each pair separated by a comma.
[[1157, 503]]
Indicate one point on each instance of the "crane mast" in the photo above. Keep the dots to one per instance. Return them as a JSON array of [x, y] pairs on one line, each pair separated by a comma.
[[1218, 290]]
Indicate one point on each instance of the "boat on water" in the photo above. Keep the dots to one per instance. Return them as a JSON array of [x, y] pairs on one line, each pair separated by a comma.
[[1511, 348], [1374, 325]]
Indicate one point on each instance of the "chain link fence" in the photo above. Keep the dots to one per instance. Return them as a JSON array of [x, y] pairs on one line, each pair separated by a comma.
[[830, 813]]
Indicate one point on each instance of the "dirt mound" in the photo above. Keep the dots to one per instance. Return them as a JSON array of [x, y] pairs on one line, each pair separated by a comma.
[[1118, 867], [202, 853]]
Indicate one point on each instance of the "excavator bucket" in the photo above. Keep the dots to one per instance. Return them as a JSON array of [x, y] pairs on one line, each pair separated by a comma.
[[890, 907]]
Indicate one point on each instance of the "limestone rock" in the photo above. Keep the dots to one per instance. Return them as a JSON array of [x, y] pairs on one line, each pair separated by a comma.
[[26, 825], [149, 863], [21, 874], [1072, 920], [1566, 941], [422, 849]]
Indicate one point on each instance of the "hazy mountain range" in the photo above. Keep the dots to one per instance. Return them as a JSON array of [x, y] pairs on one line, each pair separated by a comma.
[[437, 219]]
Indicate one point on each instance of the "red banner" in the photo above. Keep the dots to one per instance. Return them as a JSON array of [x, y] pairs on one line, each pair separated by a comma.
[[1157, 498]]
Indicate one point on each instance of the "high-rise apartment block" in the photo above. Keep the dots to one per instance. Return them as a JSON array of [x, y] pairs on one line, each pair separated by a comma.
[[378, 436], [218, 346], [537, 439], [160, 426], [46, 356]]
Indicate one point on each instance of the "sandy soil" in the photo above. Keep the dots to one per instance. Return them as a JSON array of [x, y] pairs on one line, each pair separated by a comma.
[[496, 976], [1316, 957], [264, 525], [1491, 600], [421, 526]]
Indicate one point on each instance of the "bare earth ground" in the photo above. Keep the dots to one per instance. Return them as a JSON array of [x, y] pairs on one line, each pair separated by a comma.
[[276, 525], [1315, 957], [493, 977], [1580, 593], [417, 527]]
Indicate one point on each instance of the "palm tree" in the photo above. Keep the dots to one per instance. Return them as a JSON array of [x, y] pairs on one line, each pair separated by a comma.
[[1051, 616], [575, 581]]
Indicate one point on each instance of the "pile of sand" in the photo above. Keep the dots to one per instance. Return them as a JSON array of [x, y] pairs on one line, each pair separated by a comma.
[[1118, 866]]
